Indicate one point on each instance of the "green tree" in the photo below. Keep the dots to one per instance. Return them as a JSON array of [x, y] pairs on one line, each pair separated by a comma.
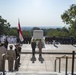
[[4, 26], [69, 17], [13, 31], [26, 33], [36, 28], [57, 32]]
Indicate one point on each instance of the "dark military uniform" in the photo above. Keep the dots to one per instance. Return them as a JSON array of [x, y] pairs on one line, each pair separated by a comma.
[[6, 43], [17, 61]]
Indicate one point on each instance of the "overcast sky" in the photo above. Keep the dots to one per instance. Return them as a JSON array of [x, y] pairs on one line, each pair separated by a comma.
[[34, 12]]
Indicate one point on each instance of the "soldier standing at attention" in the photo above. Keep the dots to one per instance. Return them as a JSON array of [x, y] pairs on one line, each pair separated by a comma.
[[2, 53], [17, 51], [40, 46], [11, 56]]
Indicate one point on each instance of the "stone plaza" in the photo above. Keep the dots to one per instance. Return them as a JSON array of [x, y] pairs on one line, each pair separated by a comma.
[[47, 66]]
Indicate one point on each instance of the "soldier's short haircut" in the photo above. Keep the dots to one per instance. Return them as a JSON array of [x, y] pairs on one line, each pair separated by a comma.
[[11, 46]]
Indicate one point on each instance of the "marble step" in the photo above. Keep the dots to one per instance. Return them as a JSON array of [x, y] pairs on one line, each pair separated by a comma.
[[35, 73]]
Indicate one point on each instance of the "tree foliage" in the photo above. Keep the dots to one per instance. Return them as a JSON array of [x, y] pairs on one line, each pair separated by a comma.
[[69, 17], [4, 26], [13, 31], [26, 33], [57, 32]]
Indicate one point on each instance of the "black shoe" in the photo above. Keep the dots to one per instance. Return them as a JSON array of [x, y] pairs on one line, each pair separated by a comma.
[[16, 69], [32, 61], [19, 63], [41, 61]]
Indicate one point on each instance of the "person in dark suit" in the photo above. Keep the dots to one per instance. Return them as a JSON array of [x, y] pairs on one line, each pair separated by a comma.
[[33, 45]]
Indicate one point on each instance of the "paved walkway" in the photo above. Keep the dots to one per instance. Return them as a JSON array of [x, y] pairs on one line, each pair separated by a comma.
[[47, 66]]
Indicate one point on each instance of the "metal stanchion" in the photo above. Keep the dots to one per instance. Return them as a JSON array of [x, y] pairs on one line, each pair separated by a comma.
[[55, 67], [73, 55], [59, 65], [66, 67]]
